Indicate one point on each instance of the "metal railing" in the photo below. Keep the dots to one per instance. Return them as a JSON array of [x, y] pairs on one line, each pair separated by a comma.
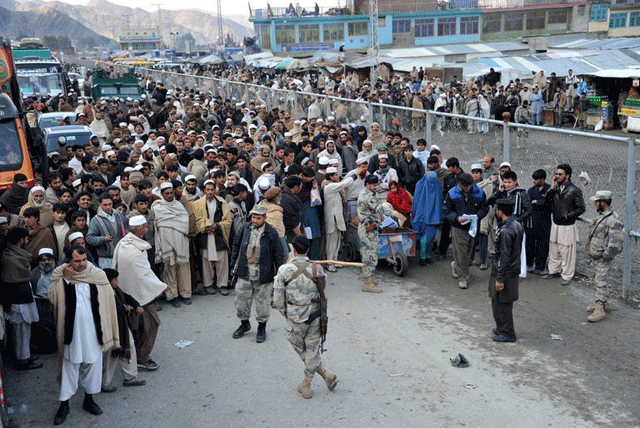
[[598, 160]]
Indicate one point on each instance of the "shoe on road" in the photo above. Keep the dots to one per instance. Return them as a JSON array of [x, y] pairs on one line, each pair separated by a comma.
[[565, 282], [91, 406], [186, 301], [453, 270], [503, 338], [210, 290], [551, 276], [108, 389], [62, 413], [261, 336], [484, 266], [27, 365], [245, 326], [175, 302], [149, 365], [224, 291], [134, 382]]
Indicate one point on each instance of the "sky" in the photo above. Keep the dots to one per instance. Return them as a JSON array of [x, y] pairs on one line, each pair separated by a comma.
[[229, 7]]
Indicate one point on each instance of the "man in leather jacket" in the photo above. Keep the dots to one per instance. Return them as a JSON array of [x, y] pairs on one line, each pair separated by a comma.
[[567, 204], [505, 270]]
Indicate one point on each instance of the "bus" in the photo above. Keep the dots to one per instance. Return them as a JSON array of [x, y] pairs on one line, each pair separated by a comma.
[[18, 152], [39, 72]]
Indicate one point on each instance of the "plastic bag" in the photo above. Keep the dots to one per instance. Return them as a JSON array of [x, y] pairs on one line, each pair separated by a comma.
[[389, 222], [599, 126]]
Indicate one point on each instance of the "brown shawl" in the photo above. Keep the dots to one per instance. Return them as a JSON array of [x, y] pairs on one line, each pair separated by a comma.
[[41, 238]]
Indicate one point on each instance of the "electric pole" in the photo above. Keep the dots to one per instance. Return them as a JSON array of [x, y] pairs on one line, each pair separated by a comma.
[[374, 45]]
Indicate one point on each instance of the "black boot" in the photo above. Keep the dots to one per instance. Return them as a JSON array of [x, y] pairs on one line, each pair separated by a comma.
[[262, 332], [245, 326], [90, 406], [62, 413]]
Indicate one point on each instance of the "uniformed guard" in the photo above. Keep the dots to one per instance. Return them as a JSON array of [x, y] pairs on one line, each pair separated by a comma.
[[370, 213], [604, 243], [258, 253], [298, 289]]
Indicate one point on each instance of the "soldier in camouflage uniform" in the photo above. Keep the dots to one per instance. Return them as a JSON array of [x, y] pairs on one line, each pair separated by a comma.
[[370, 213], [259, 254], [604, 243], [296, 297]]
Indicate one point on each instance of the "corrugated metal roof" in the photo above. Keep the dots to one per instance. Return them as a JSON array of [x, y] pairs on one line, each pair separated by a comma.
[[603, 44], [489, 48]]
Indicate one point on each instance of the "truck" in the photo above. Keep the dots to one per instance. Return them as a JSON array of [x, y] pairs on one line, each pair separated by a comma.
[[18, 151], [125, 86], [39, 72]]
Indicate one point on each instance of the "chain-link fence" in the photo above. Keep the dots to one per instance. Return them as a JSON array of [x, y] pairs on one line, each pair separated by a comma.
[[599, 162]]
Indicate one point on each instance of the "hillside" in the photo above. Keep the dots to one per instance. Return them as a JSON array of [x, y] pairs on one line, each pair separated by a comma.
[[106, 18], [40, 22]]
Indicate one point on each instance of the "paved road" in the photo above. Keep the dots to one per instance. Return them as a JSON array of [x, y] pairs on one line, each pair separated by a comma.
[[391, 353]]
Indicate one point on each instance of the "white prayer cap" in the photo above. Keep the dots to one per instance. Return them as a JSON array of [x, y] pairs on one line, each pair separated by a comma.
[[128, 169], [264, 165], [74, 236], [47, 251], [263, 183], [106, 147], [434, 147], [288, 134], [166, 185], [76, 182], [323, 160], [145, 148], [330, 142], [160, 137], [302, 122], [190, 177], [208, 182], [35, 189], [138, 167], [331, 118], [137, 220], [476, 166], [505, 164], [319, 121], [334, 162], [383, 156], [332, 170], [253, 126], [123, 124], [111, 153], [362, 160], [297, 122], [305, 160], [138, 141], [239, 141]]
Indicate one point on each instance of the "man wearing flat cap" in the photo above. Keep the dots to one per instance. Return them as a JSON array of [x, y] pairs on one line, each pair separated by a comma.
[[603, 244], [505, 270], [258, 254]]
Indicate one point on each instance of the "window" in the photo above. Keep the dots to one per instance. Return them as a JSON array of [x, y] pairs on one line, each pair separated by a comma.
[[513, 21], [446, 26], [309, 33], [265, 36], [469, 25], [333, 32], [401, 26], [285, 34], [634, 19], [11, 152], [492, 23], [557, 16], [598, 12], [618, 20], [424, 27], [581, 10], [535, 19], [358, 28]]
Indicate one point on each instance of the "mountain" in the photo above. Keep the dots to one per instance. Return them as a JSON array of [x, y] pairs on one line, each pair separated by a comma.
[[107, 18], [40, 22]]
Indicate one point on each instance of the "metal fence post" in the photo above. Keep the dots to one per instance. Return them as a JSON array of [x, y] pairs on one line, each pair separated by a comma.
[[296, 114], [628, 218], [370, 119], [506, 142], [428, 127], [327, 107]]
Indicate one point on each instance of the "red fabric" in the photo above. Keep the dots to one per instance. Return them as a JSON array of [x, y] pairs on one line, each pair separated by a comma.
[[400, 201]]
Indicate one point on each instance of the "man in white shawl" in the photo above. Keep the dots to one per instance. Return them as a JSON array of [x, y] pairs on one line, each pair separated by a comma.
[[171, 226], [138, 280]]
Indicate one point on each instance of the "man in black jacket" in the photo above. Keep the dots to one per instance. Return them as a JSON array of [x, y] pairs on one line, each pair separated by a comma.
[[538, 227], [505, 270], [258, 254], [410, 170], [461, 204], [567, 204]]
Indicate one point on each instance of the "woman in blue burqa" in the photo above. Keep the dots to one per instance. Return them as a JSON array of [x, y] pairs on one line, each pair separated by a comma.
[[427, 212]]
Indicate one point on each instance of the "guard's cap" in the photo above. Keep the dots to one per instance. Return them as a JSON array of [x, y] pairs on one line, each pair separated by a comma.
[[602, 195]]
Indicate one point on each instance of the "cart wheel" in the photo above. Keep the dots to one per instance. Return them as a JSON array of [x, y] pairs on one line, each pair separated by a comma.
[[401, 265], [348, 251]]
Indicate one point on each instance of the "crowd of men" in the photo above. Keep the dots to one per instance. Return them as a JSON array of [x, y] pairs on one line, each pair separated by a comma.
[[191, 194]]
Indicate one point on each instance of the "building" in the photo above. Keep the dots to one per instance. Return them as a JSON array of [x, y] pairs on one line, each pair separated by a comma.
[[285, 30], [615, 19], [147, 38]]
